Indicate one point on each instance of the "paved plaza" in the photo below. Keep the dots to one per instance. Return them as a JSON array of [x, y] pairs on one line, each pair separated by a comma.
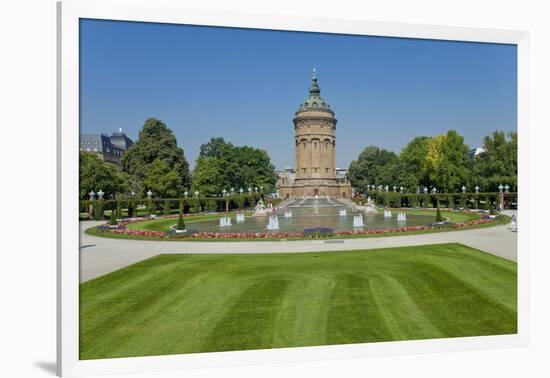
[[100, 255]]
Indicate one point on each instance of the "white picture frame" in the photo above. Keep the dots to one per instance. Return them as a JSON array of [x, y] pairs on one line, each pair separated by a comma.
[[172, 11]]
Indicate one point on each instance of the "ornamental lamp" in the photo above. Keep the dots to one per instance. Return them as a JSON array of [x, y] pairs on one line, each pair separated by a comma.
[[197, 193], [401, 189], [185, 194], [249, 189], [224, 192], [100, 194], [507, 188], [434, 190], [149, 194], [500, 187], [241, 190], [425, 189], [463, 189], [92, 195], [477, 189], [394, 188]]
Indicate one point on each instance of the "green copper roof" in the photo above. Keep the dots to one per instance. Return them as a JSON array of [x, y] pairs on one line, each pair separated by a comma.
[[314, 101]]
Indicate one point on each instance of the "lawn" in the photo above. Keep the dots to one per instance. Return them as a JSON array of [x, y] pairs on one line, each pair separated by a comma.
[[173, 304]]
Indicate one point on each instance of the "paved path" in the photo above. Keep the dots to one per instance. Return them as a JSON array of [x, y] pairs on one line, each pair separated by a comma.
[[99, 255]]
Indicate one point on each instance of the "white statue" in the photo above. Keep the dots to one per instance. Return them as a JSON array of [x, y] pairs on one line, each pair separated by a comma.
[[260, 209]]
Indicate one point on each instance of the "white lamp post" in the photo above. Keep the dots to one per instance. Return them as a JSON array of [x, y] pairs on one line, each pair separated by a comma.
[[394, 189], [224, 192], [100, 194], [477, 189], [425, 190], [463, 189], [149, 194], [241, 190], [92, 195], [197, 193], [185, 194], [401, 189], [500, 187], [434, 190], [506, 188]]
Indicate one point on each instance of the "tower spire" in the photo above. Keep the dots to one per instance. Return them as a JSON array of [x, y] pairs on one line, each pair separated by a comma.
[[314, 89]]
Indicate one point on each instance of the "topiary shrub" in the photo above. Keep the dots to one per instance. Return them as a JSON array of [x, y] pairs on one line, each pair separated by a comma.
[[98, 210], [119, 209], [438, 216], [487, 204], [181, 223], [113, 221]]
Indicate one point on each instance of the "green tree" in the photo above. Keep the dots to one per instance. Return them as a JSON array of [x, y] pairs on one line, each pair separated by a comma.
[[413, 160], [498, 164], [155, 142], [96, 174], [221, 165], [162, 180], [373, 166], [448, 171]]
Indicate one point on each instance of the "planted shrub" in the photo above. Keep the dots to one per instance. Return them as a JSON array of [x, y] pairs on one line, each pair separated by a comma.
[[113, 221], [98, 210], [438, 216], [131, 209], [119, 209], [181, 223], [487, 203]]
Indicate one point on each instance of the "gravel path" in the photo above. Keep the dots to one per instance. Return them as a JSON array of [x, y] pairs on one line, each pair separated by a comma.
[[99, 255]]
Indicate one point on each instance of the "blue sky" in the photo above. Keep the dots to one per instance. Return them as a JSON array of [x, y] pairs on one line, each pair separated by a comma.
[[245, 85]]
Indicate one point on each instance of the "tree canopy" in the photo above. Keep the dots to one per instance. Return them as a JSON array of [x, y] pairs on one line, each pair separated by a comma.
[[156, 142], [499, 163], [221, 165], [441, 161], [96, 174]]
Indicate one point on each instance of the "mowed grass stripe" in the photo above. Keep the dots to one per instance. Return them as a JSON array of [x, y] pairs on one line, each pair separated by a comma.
[[173, 304]]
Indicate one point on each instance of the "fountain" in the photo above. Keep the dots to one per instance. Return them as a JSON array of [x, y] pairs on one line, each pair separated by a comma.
[[335, 214], [260, 209], [387, 213], [240, 217], [369, 208], [273, 223], [358, 221], [225, 222], [401, 217]]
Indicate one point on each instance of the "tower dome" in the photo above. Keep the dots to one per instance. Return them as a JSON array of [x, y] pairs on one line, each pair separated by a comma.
[[314, 101]]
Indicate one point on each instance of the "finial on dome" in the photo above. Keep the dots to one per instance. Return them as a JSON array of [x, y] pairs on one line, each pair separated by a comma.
[[314, 75]]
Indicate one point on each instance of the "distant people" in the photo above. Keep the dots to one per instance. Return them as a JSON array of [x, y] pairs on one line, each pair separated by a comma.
[[514, 223]]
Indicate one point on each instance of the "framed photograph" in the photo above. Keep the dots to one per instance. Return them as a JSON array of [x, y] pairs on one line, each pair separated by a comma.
[[254, 188]]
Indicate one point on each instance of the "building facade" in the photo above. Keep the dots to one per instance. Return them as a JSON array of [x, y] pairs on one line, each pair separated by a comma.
[[315, 150], [108, 148]]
